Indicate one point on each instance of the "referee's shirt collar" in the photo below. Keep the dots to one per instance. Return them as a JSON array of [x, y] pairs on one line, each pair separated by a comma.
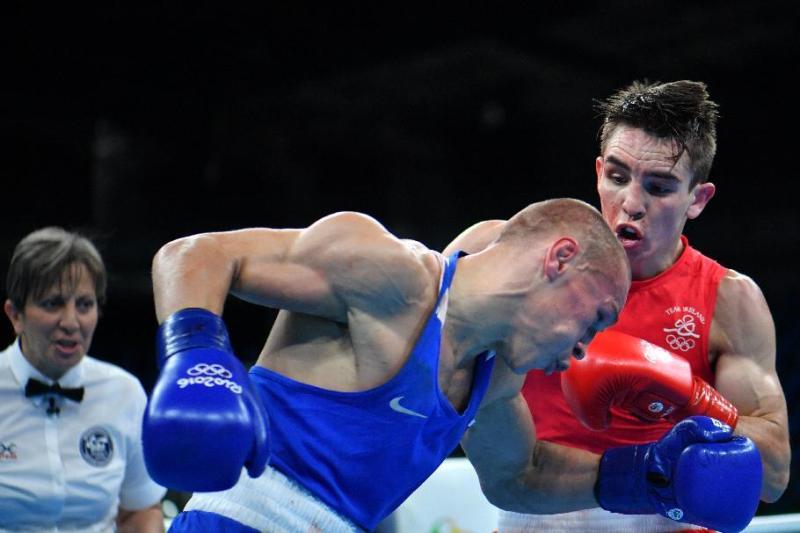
[[22, 370]]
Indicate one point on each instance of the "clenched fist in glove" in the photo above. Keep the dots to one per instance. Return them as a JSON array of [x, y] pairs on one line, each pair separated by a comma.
[[698, 472], [204, 420], [645, 379]]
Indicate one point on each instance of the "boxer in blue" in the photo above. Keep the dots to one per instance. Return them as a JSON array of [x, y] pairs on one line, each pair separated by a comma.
[[384, 357]]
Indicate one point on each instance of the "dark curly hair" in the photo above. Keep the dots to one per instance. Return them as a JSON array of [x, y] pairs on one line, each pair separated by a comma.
[[680, 111]]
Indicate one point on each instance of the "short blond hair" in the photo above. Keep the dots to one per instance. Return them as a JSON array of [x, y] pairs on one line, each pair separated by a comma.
[[599, 246]]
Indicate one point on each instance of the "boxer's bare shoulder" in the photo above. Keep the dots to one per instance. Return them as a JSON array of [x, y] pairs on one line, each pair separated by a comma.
[[476, 237]]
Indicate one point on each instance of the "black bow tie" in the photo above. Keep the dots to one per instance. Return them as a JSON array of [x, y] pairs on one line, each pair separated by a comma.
[[34, 387]]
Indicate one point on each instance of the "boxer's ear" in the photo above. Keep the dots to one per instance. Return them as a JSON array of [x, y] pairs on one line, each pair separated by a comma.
[[14, 315], [599, 162], [701, 195], [559, 255]]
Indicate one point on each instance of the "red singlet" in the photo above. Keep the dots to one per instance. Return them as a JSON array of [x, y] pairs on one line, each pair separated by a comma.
[[673, 310]]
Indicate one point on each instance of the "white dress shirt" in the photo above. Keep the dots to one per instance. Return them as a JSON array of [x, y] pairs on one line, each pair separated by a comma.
[[71, 471]]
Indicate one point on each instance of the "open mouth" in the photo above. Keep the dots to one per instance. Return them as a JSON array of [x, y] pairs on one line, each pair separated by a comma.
[[67, 346], [578, 352], [628, 233], [67, 343]]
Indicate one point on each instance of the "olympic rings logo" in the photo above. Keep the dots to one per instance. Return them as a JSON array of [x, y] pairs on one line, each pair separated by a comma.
[[679, 343], [210, 375], [204, 369]]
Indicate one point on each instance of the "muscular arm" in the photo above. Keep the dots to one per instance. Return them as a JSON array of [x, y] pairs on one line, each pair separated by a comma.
[[517, 472], [147, 520], [743, 337], [341, 260]]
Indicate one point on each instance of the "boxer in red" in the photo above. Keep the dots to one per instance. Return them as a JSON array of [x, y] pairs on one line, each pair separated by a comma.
[[693, 338]]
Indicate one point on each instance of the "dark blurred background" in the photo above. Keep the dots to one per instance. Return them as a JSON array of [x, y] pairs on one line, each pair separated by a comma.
[[139, 125]]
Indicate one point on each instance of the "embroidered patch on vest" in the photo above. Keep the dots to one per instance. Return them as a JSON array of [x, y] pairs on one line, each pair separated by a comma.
[[97, 447], [681, 336]]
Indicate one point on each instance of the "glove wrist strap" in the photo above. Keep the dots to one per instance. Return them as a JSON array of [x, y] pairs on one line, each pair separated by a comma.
[[189, 328], [620, 486], [707, 401]]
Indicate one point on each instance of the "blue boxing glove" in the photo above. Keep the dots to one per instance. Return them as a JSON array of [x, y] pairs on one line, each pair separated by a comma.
[[204, 421], [698, 473]]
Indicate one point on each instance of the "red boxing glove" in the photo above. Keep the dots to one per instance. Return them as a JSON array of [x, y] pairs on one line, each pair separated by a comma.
[[645, 379]]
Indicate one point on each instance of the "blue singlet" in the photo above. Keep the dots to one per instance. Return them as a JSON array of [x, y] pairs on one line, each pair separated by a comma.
[[363, 453]]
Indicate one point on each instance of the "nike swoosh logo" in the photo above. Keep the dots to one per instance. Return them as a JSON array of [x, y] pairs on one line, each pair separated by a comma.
[[395, 405]]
